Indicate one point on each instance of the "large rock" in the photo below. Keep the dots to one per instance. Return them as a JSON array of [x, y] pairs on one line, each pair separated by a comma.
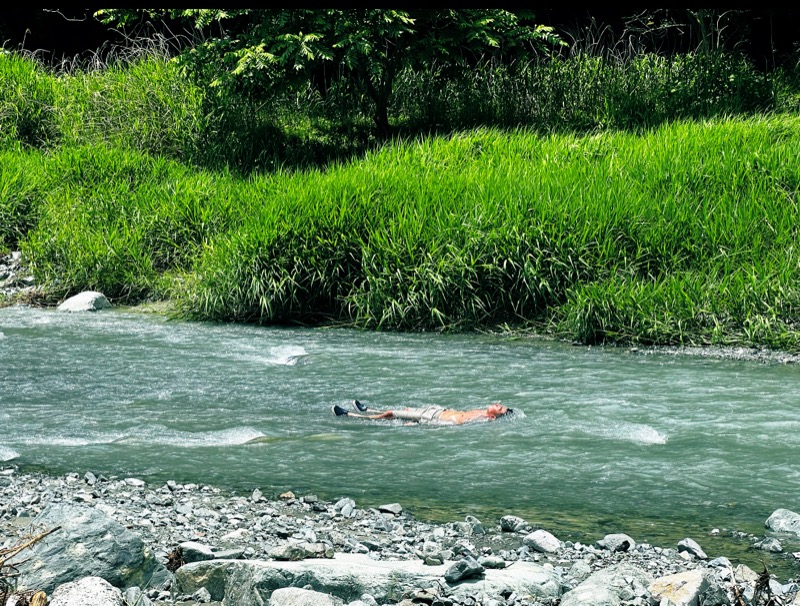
[[87, 543], [88, 591], [619, 584], [681, 589], [784, 520], [349, 576], [86, 301]]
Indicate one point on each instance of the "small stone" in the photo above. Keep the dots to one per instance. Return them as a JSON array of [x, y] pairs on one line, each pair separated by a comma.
[[393, 508], [691, 546], [465, 568]]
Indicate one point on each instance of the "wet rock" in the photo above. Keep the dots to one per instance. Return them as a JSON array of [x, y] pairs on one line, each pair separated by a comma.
[[88, 591], [784, 520], [770, 544], [85, 301]]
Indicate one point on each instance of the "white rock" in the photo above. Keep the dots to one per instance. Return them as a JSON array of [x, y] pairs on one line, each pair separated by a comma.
[[784, 520], [543, 541], [682, 589], [295, 596], [86, 301], [88, 591]]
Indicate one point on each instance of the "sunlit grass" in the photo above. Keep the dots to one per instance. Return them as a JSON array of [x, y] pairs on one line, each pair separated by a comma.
[[656, 231]]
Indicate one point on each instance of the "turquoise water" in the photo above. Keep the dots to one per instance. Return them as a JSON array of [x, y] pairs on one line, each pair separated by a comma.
[[658, 446]]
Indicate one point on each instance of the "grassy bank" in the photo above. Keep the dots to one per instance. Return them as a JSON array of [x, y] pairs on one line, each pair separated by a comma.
[[686, 233], [643, 200]]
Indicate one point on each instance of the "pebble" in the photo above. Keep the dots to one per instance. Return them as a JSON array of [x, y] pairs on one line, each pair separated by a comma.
[[209, 523]]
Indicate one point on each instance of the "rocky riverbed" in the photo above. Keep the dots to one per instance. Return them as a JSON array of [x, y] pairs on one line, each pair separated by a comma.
[[192, 544]]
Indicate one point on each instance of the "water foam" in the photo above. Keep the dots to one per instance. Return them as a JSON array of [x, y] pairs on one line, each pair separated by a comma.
[[629, 432], [7, 454], [235, 436], [283, 355], [154, 434]]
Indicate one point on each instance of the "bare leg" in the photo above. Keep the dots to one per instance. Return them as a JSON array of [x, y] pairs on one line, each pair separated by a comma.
[[383, 415]]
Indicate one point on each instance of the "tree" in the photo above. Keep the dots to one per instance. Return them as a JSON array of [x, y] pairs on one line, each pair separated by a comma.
[[258, 51]]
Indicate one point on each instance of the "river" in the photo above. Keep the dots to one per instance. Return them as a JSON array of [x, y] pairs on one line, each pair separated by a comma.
[[605, 440]]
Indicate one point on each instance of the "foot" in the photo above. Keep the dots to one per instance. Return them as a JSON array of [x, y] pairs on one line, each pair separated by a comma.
[[359, 406], [339, 411]]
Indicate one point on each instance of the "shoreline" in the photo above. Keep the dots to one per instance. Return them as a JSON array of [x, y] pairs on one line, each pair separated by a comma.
[[256, 527]]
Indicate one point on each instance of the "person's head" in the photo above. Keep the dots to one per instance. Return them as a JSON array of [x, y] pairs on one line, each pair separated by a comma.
[[498, 410]]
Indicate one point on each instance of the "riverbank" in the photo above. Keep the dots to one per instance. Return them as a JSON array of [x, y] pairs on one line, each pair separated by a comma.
[[609, 238], [218, 530]]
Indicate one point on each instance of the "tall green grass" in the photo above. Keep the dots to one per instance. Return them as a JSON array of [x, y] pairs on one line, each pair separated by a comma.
[[654, 231], [120, 221], [686, 234]]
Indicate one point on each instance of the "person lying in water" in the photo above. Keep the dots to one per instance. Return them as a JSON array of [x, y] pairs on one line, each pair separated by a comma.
[[432, 415]]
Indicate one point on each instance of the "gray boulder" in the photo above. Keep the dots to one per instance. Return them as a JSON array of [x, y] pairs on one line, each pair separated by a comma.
[[349, 576], [88, 591], [613, 586], [193, 551], [784, 520], [88, 300], [466, 568], [88, 543]]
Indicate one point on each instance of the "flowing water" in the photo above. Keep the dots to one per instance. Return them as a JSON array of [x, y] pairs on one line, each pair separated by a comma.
[[661, 447]]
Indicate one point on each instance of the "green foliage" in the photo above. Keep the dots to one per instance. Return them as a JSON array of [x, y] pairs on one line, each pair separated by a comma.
[[116, 221], [27, 95], [257, 52], [143, 105], [680, 235], [22, 183]]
